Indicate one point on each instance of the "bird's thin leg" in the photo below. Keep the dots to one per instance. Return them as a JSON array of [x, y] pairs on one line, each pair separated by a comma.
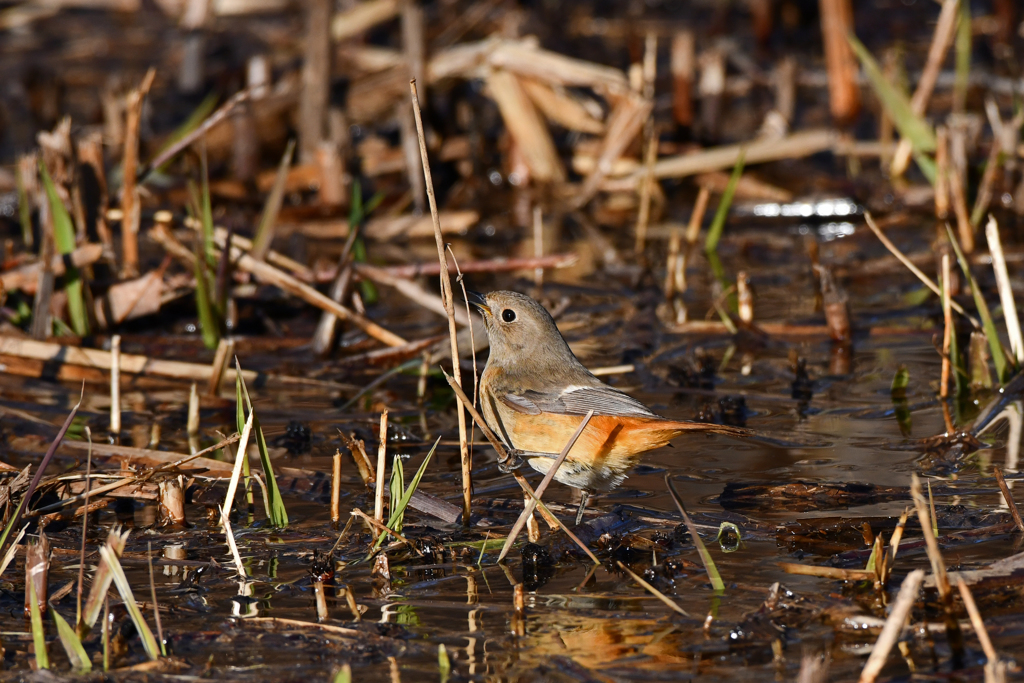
[[584, 497]]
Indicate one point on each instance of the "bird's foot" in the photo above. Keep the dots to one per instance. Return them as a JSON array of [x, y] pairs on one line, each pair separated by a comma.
[[512, 463]]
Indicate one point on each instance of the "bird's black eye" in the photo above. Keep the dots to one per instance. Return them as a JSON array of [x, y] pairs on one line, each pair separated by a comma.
[[508, 315]]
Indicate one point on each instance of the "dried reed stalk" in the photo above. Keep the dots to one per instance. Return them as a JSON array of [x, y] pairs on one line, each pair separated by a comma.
[[625, 121], [792, 146], [196, 133], [941, 172], [1013, 331], [115, 384], [382, 448], [361, 17], [953, 632], [336, 488], [979, 630], [941, 40], [271, 275], [316, 79], [836, 25], [947, 330], [449, 305], [130, 206], [682, 67], [963, 219], [925, 280], [893, 626], [560, 107], [700, 207], [526, 126], [225, 350]]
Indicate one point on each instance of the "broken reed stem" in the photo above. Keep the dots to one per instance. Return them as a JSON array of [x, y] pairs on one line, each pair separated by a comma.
[[192, 426], [548, 476], [893, 626], [336, 488], [995, 247], [953, 632], [1008, 497], [978, 623], [449, 306], [225, 350], [947, 332], [697, 217], [843, 90], [130, 207], [382, 447], [538, 245], [115, 384], [646, 188], [927, 281]]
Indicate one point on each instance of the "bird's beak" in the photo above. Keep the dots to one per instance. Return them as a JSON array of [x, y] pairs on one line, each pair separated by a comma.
[[478, 300]]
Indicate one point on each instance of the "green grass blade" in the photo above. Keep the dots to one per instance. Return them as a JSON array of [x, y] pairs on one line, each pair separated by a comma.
[[927, 165], [705, 556], [276, 511], [268, 219], [38, 635], [900, 380], [896, 103], [444, 664], [396, 488], [64, 240], [344, 674], [718, 224], [206, 212], [208, 320], [994, 345], [125, 590], [77, 655], [399, 510]]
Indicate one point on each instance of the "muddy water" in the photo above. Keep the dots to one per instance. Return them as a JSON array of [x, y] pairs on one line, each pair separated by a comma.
[[845, 432]]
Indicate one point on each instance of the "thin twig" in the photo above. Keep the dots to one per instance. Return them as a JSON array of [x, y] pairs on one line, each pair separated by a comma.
[[449, 305], [381, 527], [927, 281], [198, 132], [977, 622]]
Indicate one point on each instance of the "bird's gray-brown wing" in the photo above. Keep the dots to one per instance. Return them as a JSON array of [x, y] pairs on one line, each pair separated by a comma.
[[577, 400]]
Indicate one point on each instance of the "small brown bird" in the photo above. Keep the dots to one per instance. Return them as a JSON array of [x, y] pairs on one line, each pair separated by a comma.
[[534, 393]]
